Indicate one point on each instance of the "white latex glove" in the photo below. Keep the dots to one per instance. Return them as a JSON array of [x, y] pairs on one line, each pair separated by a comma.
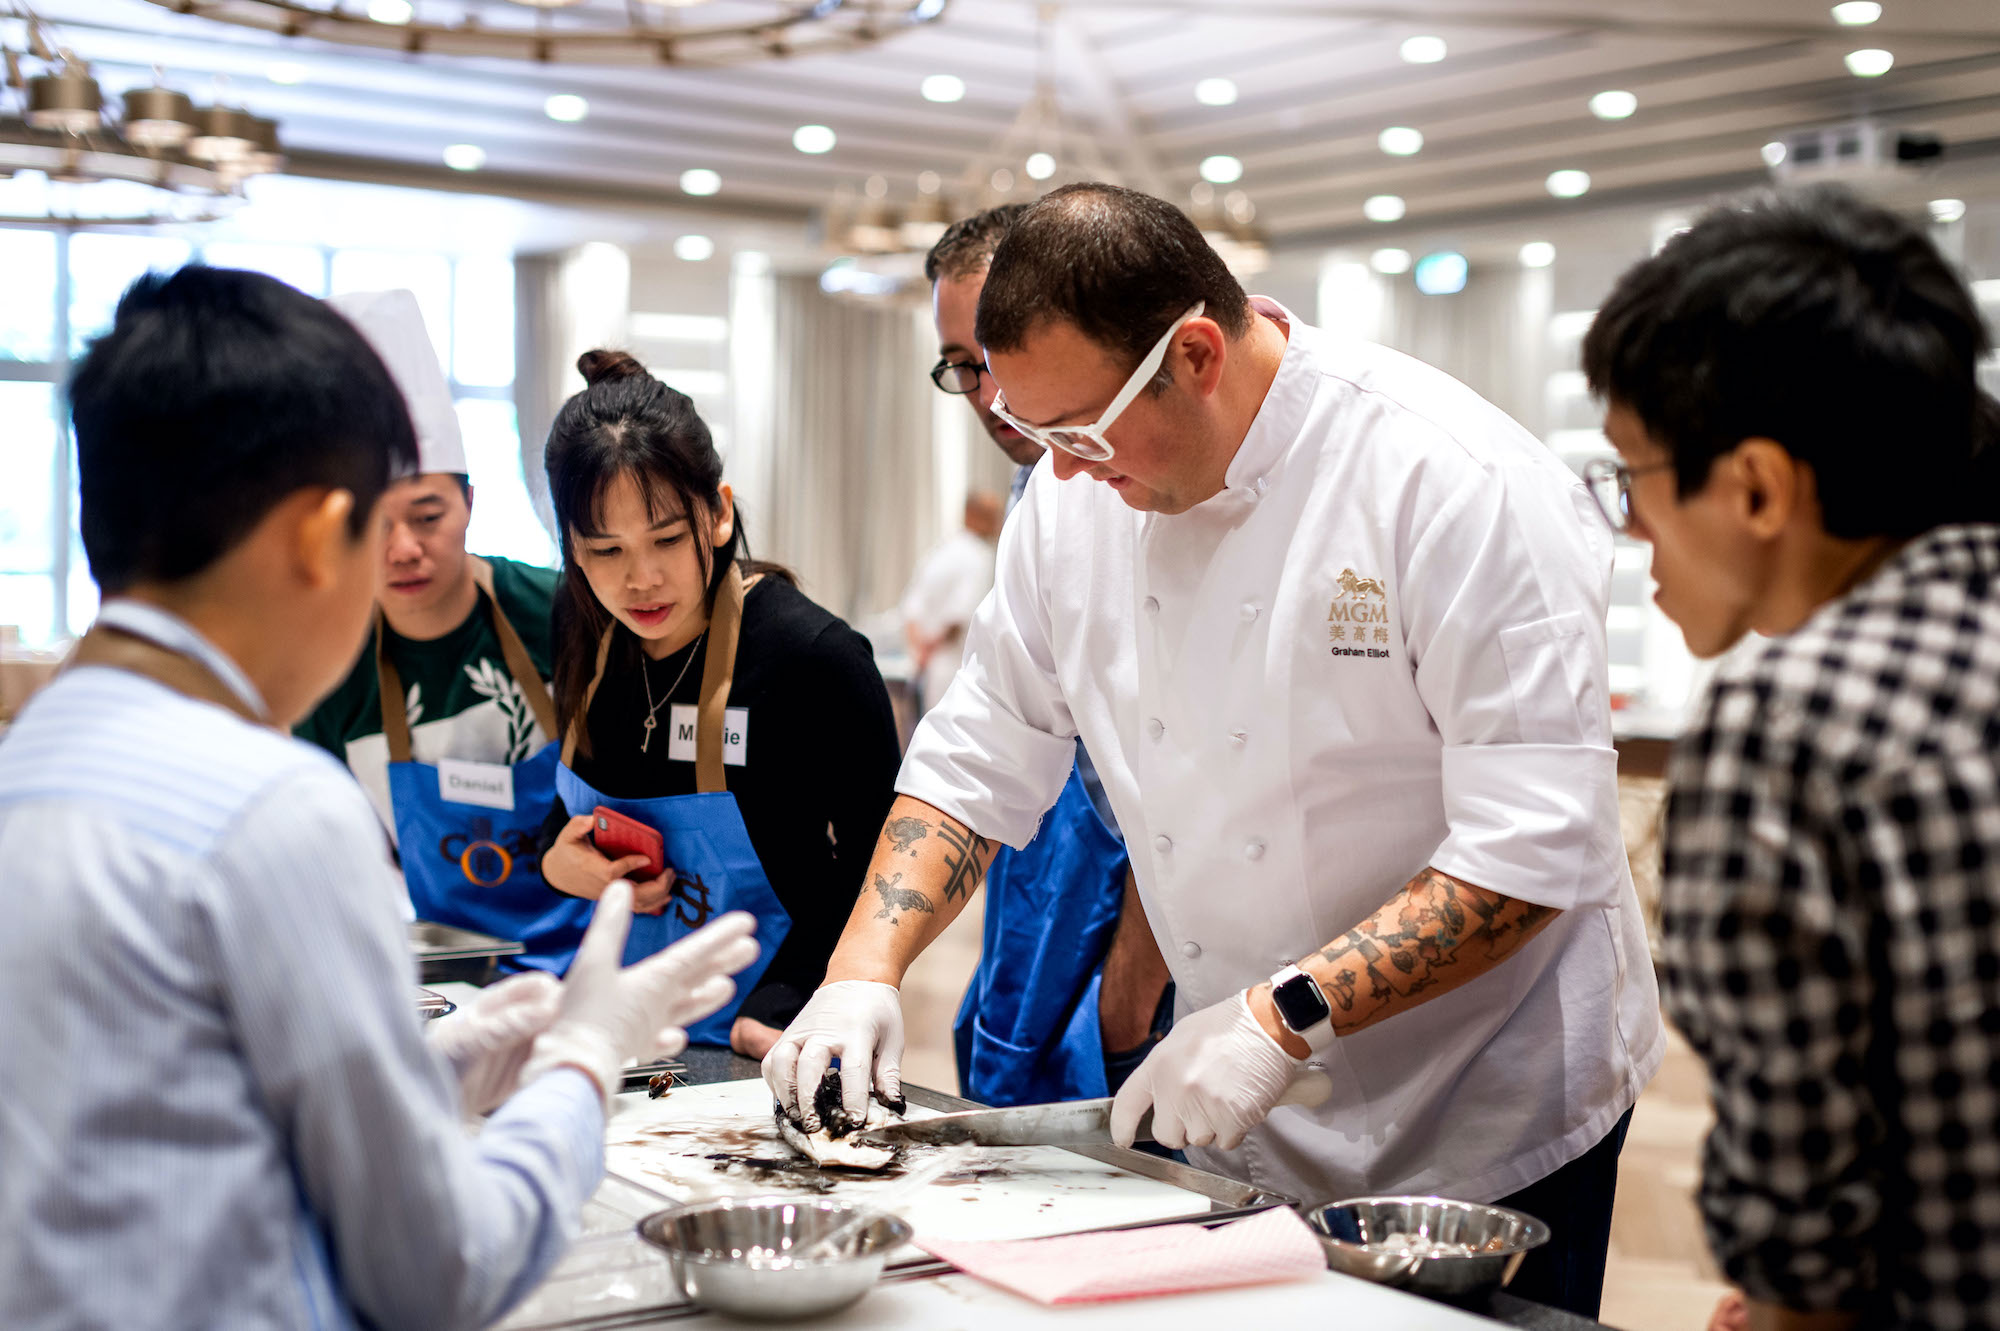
[[610, 1014], [488, 1040], [862, 1022], [1217, 1075]]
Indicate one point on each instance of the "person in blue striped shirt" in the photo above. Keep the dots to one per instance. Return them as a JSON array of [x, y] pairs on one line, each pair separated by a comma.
[[217, 1107]]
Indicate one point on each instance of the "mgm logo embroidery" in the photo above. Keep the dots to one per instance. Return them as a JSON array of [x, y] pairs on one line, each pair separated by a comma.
[[1357, 620]]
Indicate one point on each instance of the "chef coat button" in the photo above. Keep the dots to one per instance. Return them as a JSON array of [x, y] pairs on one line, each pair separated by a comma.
[[1152, 604], [1154, 727], [1239, 737], [1254, 851], [1190, 949], [1163, 843], [1249, 612]]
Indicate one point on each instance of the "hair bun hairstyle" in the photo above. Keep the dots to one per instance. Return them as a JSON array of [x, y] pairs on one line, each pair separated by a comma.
[[600, 366]]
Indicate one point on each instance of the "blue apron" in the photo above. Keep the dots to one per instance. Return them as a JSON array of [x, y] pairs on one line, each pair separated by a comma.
[[707, 846], [1028, 1032], [471, 864]]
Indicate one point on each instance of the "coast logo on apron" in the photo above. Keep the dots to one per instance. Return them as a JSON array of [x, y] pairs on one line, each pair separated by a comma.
[[1357, 619]]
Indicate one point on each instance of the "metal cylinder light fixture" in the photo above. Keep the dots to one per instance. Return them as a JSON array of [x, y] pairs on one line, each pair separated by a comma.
[[68, 100], [158, 119], [222, 134]]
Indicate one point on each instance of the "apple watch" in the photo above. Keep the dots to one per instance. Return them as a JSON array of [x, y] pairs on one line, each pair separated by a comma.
[[1301, 1006]]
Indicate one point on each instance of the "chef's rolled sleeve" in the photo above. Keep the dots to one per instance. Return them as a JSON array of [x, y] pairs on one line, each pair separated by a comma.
[[996, 749], [1505, 594]]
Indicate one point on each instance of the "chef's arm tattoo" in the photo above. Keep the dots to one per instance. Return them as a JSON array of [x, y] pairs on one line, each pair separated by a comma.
[[926, 866], [1436, 934]]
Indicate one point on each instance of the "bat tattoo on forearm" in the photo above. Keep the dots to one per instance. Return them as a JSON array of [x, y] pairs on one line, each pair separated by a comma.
[[896, 899]]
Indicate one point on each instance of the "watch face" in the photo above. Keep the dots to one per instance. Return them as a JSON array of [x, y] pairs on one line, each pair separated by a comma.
[[1300, 1002]]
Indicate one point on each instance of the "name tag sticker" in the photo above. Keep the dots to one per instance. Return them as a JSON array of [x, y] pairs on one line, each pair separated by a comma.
[[681, 722], [489, 785]]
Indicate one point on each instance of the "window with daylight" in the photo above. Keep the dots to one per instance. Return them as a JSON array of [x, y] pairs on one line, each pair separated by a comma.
[[63, 289]]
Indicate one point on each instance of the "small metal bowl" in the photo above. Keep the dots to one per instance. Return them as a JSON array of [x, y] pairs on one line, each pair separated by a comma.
[[732, 1255], [1360, 1239]]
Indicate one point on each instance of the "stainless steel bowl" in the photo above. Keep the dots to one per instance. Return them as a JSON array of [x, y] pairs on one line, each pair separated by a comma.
[[1395, 1241], [733, 1255]]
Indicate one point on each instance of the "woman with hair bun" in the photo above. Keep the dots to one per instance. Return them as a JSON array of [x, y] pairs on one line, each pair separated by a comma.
[[701, 694]]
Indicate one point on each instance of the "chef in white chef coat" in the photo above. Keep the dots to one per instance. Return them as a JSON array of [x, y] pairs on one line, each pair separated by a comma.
[[1334, 627]]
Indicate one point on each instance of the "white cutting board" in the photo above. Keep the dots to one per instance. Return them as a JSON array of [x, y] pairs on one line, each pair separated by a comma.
[[698, 1142]]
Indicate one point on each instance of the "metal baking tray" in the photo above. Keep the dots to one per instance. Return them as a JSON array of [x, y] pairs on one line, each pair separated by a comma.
[[445, 952]]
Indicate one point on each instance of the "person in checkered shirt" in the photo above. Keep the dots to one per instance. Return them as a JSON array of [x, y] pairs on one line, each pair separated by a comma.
[[1790, 386]]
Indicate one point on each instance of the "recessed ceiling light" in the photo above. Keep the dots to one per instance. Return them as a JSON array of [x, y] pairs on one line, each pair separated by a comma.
[[1774, 153], [694, 249], [1424, 50], [1869, 64], [566, 106], [1613, 104], [465, 157], [1568, 184], [1856, 13], [1215, 92], [287, 72], [1946, 211], [1389, 262], [813, 139], [1040, 166], [1383, 208], [700, 180], [1221, 169], [397, 12], [943, 88], [1537, 254], [1442, 273], [1401, 141]]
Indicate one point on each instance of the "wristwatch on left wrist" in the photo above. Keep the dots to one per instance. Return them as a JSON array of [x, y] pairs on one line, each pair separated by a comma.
[[1301, 1006]]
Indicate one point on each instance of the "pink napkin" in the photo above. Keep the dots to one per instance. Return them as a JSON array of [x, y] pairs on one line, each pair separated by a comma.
[[1166, 1259]]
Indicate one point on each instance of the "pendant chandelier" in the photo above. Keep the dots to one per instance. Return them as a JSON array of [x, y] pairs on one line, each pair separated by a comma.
[[600, 32]]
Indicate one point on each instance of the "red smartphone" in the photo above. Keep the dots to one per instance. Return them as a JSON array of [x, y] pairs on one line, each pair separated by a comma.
[[617, 836]]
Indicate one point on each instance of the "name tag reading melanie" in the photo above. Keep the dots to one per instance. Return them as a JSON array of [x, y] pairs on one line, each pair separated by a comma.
[[489, 785], [735, 734]]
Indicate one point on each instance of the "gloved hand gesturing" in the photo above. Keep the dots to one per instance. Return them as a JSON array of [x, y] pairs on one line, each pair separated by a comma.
[[611, 1013], [859, 1020], [487, 1041], [1217, 1075]]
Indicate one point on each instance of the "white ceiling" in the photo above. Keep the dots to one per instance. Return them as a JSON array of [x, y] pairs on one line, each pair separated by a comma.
[[1318, 80]]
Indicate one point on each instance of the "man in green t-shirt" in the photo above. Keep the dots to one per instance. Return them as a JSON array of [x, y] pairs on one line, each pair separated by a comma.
[[461, 700]]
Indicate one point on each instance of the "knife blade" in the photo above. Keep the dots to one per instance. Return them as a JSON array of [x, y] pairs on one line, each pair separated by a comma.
[[1067, 1123]]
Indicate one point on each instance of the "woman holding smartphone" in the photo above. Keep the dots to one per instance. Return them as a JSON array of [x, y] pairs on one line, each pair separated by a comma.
[[700, 694]]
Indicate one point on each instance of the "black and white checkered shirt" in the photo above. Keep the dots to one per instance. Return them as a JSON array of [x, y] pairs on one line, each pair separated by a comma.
[[1832, 946]]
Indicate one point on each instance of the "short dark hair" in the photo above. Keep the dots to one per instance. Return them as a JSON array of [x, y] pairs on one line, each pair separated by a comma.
[[1827, 324], [967, 245], [1119, 265], [213, 396]]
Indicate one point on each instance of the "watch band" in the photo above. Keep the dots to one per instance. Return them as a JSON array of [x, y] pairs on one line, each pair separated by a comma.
[[1301, 1006]]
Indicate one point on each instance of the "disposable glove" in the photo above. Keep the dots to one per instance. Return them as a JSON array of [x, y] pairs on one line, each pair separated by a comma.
[[1217, 1075], [487, 1041], [859, 1020], [610, 1014]]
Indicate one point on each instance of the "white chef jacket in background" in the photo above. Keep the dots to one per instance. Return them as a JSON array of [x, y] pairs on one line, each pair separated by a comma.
[[941, 599], [1277, 784]]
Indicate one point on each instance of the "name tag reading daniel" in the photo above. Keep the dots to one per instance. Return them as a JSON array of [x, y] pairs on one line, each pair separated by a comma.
[[735, 734], [489, 785]]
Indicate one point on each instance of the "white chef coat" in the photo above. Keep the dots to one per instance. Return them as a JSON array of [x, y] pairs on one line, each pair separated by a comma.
[[1381, 646], [941, 599]]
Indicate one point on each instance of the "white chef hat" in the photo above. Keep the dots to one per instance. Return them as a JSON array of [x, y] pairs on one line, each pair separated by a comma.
[[394, 326]]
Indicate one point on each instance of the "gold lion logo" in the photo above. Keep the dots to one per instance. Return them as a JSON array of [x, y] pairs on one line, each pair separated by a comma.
[[1353, 585]]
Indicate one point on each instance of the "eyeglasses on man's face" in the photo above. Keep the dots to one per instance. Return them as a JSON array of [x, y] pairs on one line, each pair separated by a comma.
[[1610, 483], [1088, 441], [957, 376]]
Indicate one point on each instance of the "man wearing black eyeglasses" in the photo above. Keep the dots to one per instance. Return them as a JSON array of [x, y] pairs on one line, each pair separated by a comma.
[[1071, 993]]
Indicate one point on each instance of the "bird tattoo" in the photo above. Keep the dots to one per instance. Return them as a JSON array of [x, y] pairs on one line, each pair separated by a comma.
[[906, 833], [896, 898]]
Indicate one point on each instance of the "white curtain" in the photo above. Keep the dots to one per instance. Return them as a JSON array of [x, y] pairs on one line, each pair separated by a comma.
[[564, 305]]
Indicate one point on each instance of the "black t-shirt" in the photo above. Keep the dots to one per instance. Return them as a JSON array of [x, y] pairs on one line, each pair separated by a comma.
[[818, 778]]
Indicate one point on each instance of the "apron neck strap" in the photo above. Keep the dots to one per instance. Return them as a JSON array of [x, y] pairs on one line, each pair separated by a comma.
[[396, 721], [105, 645], [718, 670]]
